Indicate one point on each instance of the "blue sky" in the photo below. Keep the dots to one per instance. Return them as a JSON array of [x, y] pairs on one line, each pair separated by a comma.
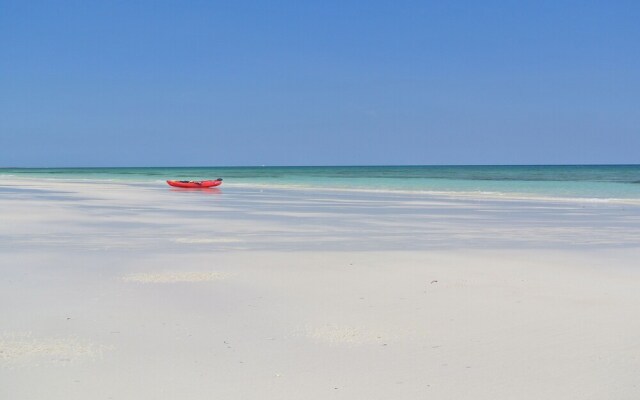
[[196, 83]]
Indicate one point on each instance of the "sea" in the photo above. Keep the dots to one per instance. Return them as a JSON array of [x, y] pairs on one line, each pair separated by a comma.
[[580, 182]]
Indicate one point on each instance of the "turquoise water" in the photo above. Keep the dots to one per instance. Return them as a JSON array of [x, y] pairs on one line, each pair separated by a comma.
[[577, 181]]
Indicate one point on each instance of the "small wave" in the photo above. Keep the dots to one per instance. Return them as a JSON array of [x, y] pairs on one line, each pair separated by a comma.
[[470, 195]]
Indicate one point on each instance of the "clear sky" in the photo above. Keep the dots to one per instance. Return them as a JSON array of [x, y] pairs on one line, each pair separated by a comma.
[[197, 83]]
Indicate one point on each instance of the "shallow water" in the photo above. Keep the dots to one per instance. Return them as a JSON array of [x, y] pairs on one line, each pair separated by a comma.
[[599, 182]]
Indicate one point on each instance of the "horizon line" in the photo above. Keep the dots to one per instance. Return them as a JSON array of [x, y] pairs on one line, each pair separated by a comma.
[[329, 166]]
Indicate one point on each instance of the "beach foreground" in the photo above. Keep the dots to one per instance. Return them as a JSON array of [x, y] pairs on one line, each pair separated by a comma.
[[115, 291]]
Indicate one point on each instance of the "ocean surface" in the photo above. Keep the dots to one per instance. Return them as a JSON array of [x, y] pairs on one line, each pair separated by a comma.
[[585, 182]]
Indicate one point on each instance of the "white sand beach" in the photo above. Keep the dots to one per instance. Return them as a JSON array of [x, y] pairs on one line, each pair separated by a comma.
[[117, 291]]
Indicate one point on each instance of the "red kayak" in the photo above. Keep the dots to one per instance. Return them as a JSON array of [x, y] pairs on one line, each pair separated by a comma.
[[196, 184]]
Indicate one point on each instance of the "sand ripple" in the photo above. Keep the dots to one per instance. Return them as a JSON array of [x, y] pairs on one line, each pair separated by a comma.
[[20, 348], [354, 335], [174, 277], [205, 240]]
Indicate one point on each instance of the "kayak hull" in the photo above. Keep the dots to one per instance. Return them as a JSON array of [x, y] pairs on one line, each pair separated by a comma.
[[195, 184]]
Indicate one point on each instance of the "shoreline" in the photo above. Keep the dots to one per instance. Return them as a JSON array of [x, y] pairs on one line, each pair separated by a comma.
[[448, 195]]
